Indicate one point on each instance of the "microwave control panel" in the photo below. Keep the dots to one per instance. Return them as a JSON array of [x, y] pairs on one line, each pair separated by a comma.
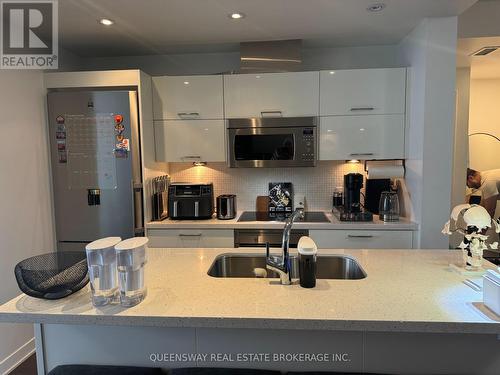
[[308, 140]]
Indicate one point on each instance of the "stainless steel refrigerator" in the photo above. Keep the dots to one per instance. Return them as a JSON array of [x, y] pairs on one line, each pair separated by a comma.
[[96, 167]]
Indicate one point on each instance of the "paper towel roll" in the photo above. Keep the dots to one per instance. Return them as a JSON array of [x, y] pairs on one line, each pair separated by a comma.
[[390, 171]]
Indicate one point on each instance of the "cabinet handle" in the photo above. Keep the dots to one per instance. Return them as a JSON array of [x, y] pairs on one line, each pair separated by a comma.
[[362, 109], [267, 113], [362, 154], [191, 157], [188, 114], [189, 235], [360, 236]]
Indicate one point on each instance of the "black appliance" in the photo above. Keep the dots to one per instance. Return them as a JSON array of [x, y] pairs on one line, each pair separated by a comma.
[[352, 210], [190, 201], [226, 207], [353, 182], [309, 217], [373, 190]]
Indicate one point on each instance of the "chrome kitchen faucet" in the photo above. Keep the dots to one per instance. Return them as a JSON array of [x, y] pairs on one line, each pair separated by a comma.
[[281, 264]]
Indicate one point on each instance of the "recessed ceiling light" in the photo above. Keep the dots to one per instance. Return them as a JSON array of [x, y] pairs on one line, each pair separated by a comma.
[[186, 82], [106, 22], [332, 72], [376, 7], [236, 16]]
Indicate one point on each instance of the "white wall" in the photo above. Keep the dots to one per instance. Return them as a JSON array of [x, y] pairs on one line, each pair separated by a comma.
[[26, 226], [212, 63], [430, 50], [461, 142], [484, 116]]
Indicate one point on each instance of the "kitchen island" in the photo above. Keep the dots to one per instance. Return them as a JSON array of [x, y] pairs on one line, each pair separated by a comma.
[[411, 314]]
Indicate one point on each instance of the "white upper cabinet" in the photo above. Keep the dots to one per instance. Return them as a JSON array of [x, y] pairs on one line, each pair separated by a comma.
[[362, 91], [188, 97], [190, 140], [271, 94], [362, 137]]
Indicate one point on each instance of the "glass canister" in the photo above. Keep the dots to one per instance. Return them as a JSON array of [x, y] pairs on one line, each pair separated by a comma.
[[131, 261], [389, 206], [101, 260], [338, 197]]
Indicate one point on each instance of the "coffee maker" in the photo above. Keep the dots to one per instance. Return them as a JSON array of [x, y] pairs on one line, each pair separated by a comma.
[[352, 209]]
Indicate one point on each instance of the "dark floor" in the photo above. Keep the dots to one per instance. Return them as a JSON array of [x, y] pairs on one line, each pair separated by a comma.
[[28, 367]]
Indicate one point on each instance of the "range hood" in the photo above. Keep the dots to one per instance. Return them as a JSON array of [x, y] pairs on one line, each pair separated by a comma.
[[271, 56]]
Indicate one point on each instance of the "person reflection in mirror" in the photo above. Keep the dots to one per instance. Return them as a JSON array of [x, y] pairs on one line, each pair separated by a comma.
[[488, 184]]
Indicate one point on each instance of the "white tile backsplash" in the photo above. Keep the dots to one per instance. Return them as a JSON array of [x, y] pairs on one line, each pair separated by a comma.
[[316, 183]]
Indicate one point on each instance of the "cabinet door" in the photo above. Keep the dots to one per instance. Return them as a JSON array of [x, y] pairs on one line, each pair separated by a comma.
[[362, 239], [190, 140], [361, 137], [271, 94], [194, 238], [183, 97], [362, 91]]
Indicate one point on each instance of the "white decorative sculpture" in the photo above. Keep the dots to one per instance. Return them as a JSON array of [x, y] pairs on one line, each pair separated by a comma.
[[477, 221]]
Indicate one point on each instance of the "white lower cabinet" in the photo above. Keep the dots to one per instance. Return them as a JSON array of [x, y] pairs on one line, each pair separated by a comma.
[[190, 140], [362, 137], [202, 238], [362, 239]]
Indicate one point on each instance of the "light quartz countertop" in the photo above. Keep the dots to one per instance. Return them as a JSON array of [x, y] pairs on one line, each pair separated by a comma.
[[405, 290], [214, 223]]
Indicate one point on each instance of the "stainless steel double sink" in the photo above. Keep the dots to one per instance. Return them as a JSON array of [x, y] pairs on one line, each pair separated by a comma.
[[254, 265]]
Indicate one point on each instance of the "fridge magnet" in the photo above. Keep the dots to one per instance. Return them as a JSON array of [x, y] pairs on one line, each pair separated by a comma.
[[123, 144], [60, 135], [60, 119], [63, 157], [121, 153], [119, 128], [61, 145], [122, 148], [118, 119], [119, 137]]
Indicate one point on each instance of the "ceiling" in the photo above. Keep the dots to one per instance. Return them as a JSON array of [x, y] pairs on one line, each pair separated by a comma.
[[482, 67], [151, 27]]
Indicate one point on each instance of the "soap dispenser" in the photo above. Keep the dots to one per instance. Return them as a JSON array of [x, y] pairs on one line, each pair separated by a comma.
[[307, 262]]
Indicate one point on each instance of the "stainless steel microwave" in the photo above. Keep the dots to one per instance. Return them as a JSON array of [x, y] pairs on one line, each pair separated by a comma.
[[272, 142]]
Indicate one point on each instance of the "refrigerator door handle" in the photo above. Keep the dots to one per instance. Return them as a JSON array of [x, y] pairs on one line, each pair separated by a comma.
[[137, 199]]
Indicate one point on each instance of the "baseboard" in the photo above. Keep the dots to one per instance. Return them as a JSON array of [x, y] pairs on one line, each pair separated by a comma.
[[17, 357]]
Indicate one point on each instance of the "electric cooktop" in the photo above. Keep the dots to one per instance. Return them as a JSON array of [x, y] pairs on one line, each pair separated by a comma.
[[309, 216]]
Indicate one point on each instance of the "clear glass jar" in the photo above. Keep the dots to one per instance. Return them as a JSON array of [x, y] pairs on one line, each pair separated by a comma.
[[389, 206]]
